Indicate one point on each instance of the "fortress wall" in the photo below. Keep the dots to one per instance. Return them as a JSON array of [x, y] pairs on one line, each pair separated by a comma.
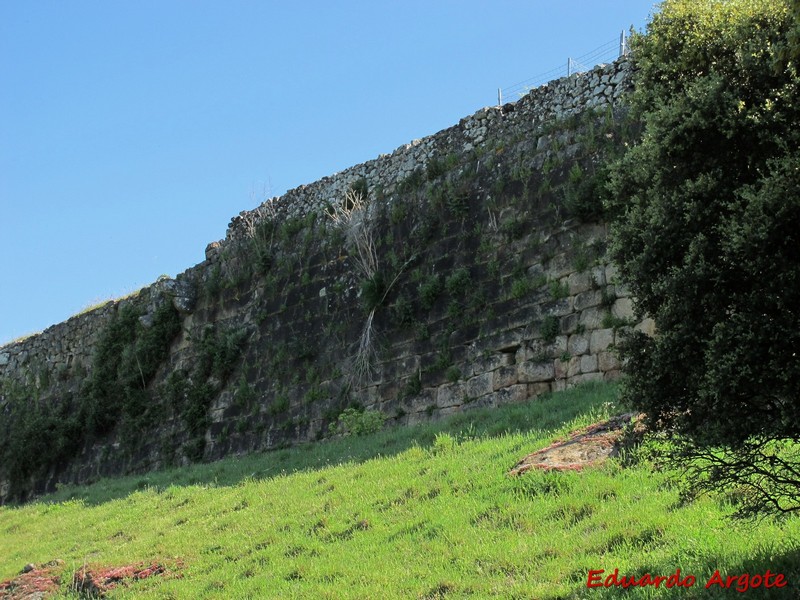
[[490, 285]]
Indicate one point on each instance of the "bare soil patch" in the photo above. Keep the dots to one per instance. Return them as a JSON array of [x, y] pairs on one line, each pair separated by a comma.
[[583, 448], [39, 582]]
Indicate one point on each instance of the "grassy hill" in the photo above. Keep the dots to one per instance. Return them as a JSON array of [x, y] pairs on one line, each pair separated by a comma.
[[419, 512]]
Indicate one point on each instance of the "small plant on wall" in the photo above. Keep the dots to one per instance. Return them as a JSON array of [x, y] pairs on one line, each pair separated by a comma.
[[549, 329], [355, 422], [260, 227]]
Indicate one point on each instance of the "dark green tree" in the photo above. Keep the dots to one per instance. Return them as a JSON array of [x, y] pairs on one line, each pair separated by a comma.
[[706, 230]]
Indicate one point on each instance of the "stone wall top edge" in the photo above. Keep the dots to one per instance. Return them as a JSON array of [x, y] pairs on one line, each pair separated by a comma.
[[56, 327], [349, 174], [353, 173]]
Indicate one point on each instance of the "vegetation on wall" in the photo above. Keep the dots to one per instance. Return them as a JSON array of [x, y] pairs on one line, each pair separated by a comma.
[[433, 263], [125, 362], [706, 209], [34, 434], [40, 432]]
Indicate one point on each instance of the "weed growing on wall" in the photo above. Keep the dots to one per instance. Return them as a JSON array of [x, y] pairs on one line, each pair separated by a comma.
[[260, 229], [358, 219], [429, 291], [458, 282], [549, 329], [34, 434], [357, 422], [190, 394]]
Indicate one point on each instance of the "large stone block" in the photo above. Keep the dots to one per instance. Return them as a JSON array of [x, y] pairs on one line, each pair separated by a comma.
[[622, 308], [574, 366], [580, 282], [538, 389], [501, 341], [490, 363], [450, 395], [535, 271], [578, 344], [608, 361], [588, 363], [510, 395], [444, 412], [592, 318], [487, 401], [588, 299], [568, 324], [599, 276], [622, 290], [504, 377], [479, 385], [647, 326], [539, 349], [560, 368], [584, 378], [416, 418], [421, 401], [600, 340], [558, 308], [531, 372], [559, 266], [522, 317], [409, 363]]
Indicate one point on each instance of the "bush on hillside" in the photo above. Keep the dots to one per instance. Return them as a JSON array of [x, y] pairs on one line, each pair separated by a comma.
[[706, 209]]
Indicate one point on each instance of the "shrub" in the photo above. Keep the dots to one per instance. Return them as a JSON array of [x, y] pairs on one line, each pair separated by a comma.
[[521, 287], [559, 289], [412, 387], [219, 351], [435, 169], [705, 209], [398, 212], [373, 290], [453, 374], [549, 329], [354, 422], [403, 311], [458, 283], [584, 193], [429, 291], [412, 183], [279, 404]]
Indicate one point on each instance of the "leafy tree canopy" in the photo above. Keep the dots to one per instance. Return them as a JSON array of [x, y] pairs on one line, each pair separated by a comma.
[[706, 230]]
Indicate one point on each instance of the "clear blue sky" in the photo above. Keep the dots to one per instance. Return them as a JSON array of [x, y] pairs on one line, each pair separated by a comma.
[[131, 132]]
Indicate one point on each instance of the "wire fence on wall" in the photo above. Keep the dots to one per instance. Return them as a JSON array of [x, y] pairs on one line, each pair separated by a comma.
[[605, 53]]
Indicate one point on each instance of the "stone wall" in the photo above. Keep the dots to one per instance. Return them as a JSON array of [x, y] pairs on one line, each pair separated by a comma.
[[69, 346], [58, 348], [489, 285], [601, 87]]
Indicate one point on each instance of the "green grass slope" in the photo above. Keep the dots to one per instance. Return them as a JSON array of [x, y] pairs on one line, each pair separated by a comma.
[[422, 512]]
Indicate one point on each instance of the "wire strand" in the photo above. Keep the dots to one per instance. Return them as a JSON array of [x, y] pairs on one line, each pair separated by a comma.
[[603, 53]]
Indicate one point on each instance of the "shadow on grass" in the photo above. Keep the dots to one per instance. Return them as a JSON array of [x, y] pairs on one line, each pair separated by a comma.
[[547, 414]]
